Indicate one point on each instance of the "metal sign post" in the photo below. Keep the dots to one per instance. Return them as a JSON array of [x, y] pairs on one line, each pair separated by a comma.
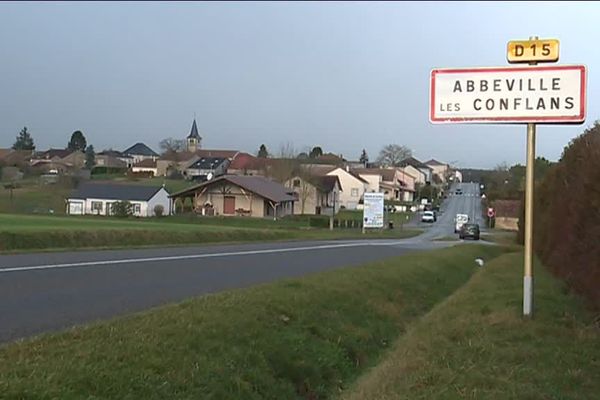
[[529, 187], [528, 260]]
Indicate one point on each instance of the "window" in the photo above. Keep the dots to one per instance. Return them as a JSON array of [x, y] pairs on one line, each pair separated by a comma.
[[97, 207], [354, 192], [137, 208], [296, 183]]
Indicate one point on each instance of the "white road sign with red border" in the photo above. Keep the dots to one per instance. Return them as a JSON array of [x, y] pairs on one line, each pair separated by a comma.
[[528, 94]]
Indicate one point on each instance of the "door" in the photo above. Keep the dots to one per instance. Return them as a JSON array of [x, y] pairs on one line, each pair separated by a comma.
[[229, 205]]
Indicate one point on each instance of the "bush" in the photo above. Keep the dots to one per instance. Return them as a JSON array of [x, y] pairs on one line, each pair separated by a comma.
[[121, 209], [318, 222], [159, 210], [566, 221]]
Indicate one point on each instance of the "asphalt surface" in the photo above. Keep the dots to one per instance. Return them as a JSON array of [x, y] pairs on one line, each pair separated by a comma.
[[45, 292]]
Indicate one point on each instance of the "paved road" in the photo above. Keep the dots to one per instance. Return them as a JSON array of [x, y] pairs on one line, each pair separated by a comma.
[[468, 203], [51, 291]]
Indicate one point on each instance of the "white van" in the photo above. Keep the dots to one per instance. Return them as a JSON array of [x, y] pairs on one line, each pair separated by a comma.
[[459, 221]]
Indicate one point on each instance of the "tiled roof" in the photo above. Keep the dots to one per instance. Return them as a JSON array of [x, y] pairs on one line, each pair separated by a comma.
[[140, 149], [414, 162], [51, 153], [114, 191], [217, 153], [434, 162], [257, 184], [207, 163]]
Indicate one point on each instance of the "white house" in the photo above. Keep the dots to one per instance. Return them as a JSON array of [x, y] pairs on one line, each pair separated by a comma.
[[97, 198], [140, 152], [352, 186], [145, 166]]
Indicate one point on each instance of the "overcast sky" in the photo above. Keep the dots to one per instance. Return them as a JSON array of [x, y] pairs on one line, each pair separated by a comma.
[[344, 76]]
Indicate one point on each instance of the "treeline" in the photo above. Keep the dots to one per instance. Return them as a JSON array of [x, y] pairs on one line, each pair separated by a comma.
[[567, 216]]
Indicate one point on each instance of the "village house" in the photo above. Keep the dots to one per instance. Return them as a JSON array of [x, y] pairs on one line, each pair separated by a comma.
[[316, 194], [113, 159], [110, 162], [140, 152], [352, 186], [97, 198], [206, 168], [439, 169], [231, 195], [247, 164], [15, 158], [59, 160], [421, 171], [147, 166], [394, 183]]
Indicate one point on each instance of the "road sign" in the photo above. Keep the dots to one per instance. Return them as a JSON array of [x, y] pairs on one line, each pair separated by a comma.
[[552, 94], [491, 213], [538, 50], [373, 210]]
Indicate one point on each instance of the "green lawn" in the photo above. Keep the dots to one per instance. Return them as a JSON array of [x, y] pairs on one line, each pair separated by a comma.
[[42, 232], [306, 338], [476, 345], [398, 218], [33, 197]]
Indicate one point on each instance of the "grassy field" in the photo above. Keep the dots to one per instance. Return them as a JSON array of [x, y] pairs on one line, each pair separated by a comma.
[[398, 218], [476, 345], [37, 232], [33, 197], [306, 338]]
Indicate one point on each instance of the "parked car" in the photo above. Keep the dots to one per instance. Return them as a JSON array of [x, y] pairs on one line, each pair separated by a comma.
[[469, 231], [428, 216]]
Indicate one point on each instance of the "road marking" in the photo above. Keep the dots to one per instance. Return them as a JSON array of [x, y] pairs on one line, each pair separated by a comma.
[[193, 256]]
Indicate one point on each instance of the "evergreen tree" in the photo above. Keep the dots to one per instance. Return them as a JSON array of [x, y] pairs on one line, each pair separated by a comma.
[[24, 141], [316, 151], [262, 151], [90, 157], [77, 141]]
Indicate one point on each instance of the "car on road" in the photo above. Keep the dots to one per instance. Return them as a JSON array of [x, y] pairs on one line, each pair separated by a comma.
[[469, 231], [428, 216], [458, 192], [460, 220]]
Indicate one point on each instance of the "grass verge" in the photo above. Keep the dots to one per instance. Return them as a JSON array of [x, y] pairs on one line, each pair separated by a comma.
[[26, 232], [295, 339], [476, 345]]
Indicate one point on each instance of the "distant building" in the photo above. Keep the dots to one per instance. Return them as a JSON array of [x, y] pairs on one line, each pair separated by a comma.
[[148, 166], [194, 140], [230, 195], [97, 199], [140, 152], [206, 168]]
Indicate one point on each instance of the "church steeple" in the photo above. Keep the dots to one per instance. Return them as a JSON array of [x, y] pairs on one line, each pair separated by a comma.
[[193, 139]]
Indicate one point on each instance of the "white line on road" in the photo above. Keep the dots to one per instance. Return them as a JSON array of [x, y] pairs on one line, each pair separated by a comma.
[[192, 256]]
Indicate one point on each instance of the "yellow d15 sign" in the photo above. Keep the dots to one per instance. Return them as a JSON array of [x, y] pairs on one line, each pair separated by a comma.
[[540, 50]]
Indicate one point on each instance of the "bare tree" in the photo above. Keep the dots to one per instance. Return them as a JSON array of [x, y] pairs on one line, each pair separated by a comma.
[[286, 165], [171, 145], [392, 154]]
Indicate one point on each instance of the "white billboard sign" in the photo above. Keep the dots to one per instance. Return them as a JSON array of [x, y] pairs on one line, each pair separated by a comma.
[[373, 210], [552, 94]]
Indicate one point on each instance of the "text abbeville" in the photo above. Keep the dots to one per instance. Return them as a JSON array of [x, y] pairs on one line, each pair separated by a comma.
[[528, 87]]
